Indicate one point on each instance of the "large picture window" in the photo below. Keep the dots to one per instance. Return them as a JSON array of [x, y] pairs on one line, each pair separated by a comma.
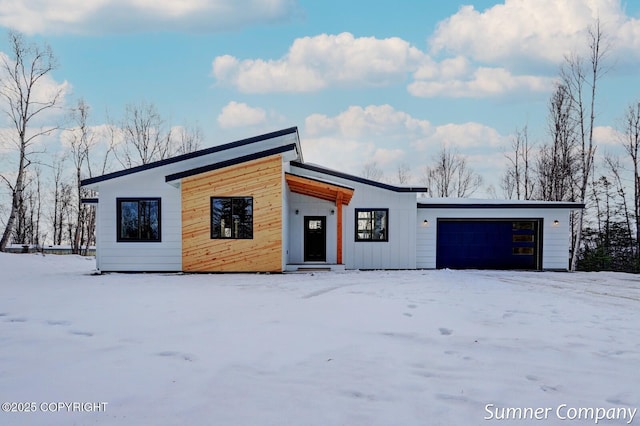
[[372, 224], [232, 217], [138, 219]]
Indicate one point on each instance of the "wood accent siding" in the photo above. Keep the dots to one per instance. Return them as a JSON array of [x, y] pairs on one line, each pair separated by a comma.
[[260, 179]]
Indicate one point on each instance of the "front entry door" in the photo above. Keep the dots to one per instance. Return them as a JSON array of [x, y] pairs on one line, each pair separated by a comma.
[[315, 239]]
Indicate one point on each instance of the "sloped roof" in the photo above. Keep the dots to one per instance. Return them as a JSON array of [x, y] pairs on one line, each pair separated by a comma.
[[195, 154], [353, 178]]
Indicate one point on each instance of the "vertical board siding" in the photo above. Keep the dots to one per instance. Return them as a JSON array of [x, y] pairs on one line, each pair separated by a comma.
[[260, 179], [397, 253]]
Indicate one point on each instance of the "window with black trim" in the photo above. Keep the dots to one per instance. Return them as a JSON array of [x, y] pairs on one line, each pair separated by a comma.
[[372, 224], [138, 219], [232, 218]]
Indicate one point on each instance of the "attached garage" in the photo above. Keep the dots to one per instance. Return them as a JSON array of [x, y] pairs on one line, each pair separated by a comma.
[[493, 234], [488, 243]]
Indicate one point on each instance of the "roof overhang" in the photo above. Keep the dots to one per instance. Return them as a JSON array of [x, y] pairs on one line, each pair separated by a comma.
[[358, 179], [92, 183], [316, 188], [462, 203], [232, 162]]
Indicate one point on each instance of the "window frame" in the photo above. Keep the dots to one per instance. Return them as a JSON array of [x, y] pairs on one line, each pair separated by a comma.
[[386, 225], [119, 237], [231, 199]]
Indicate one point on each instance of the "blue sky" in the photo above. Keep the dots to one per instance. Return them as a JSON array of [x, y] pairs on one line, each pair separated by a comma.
[[389, 82]]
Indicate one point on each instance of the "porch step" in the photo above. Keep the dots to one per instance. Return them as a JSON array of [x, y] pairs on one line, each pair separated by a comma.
[[309, 267]]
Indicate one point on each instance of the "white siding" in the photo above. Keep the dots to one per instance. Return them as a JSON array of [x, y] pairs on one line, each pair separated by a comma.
[[397, 253], [165, 255], [309, 206], [555, 239]]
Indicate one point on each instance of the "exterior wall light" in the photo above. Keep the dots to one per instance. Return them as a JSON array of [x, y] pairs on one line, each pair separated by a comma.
[[333, 211], [297, 211], [425, 222], [556, 222]]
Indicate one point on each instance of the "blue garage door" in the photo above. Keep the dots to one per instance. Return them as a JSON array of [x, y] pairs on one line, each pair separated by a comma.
[[488, 244]]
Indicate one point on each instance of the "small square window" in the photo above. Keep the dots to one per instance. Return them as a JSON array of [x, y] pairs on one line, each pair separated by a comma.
[[372, 225], [232, 218], [138, 219]]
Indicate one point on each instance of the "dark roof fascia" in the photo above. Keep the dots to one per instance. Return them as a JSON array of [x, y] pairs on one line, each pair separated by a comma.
[[540, 205], [231, 162], [189, 156], [356, 178]]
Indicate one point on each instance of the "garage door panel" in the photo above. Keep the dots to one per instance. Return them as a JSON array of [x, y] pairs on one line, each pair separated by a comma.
[[487, 244]]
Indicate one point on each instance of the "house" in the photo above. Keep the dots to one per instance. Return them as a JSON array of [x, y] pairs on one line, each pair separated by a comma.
[[255, 205]]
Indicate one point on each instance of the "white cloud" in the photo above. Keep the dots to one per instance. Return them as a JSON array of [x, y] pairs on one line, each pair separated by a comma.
[[530, 30], [324, 61], [607, 135], [481, 83], [314, 63], [465, 136], [385, 156], [238, 114], [382, 134], [373, 120], [104, 16]]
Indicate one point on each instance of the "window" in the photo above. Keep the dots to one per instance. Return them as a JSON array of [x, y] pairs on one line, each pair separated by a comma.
[[232, 217], [138, 219], [522, 238], [372, 224], [523, 251]]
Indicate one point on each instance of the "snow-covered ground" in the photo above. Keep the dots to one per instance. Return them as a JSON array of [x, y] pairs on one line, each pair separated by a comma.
[[355, 348]]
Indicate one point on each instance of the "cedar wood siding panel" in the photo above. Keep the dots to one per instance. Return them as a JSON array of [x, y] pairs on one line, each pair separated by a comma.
[[260, 179]]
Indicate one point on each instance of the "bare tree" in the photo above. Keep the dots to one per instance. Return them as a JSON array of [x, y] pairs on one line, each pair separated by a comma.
[[372, 171], [21, 75], [144, 136], [517, 179], [187, 139], [581, 80], [81, 139], [614, 166], [450, 176], [558, 161], [403, 174], [632, 146]]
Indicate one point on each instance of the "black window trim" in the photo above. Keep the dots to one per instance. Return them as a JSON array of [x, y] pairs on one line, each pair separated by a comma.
[[211, 236], [367, 209], [119, 201]]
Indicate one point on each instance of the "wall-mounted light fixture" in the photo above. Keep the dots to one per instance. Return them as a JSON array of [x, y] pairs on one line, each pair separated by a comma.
[[556, 222], [425, 222], [297, 211], [333, 211]]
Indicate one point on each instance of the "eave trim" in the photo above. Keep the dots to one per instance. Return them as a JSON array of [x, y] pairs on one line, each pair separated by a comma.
[[189, 156], [231, 162]]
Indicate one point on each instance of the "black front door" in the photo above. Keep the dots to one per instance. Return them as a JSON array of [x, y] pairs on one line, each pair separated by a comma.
[[315, 239]]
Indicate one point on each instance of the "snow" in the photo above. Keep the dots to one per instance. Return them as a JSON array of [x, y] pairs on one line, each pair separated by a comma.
[[353, 348]]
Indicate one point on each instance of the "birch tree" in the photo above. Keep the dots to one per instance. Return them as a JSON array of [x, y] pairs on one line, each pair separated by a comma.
[[22, 76], [581, 78], [631, 144]]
